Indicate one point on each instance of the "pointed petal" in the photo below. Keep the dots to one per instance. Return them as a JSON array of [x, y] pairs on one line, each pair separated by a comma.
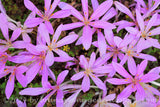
[[154, 42], [67, 39], [19, 44], [92, 59], [146, 56], [26, 37], [149, 77], [83, 62], [43, 101], [49, 27], [61, 14], [124, 9], [132, 30], [85, 8], [110, 97], [143, 44], [142, 67], [140, 94], [151, 22], [140, 20], [95, 4], [86, 37], [119, 68], [85, 83], [32, 72], [111, 13], [77, 76], [33, 22], [72, 25], [49, 60], [75, 13], [62, 76], [29, 5], [16, 33], [102, 24], [155, 31], [10, 86], [57, 34], [101, 9], [101, 44], [125, 93], [63, 55], [44, 33], [47, 4], [132, 66], [33, 91], [59, 98], [98, 82], [117, 81]]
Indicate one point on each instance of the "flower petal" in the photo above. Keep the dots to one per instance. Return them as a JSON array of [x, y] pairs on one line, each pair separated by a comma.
[[140, 94], [146, 56], [72, 25], [98, 82], [67, 39], [62, 76], [140, 20], [75, 13], [32, 72], [92, 59], [49, 60], [59, 98], [61, 13], [124, 9], [101, 9], [125, 93], [132, 66], [102, 24], [142, 67], [85, 8], [110, 13], [86, 37], [49, 27], [77, 76], [101, 44], [117, 81], [33, 22], [85, 83], [33, 91], [83, 62], [16, 33], [155, 31], [119, 68], [10, 86]]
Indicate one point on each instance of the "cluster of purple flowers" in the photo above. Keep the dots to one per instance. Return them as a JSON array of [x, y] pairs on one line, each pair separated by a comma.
[[35, 58]]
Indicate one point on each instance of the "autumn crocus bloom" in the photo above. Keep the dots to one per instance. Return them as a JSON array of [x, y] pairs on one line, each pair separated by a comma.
[[54, 45], [47, 15], [131, 52], [104, 102], [91, 68], [38, 65], [136, 82], [86, 38], [145, 33], [14, 72], [9, 42], [60, 89]]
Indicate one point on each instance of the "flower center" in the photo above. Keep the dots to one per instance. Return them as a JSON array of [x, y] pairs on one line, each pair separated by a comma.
[[88, 71]]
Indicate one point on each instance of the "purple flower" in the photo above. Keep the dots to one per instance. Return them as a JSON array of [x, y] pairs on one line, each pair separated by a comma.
[[47, 15], [114, 47], [149, 8], [145, 33], [131, 51], [92, 68], [15, 72], [3, 59], [86, 38], [55, 44], [60, 89], [136, 82], [9, 42], [38, 65], [104, 101]]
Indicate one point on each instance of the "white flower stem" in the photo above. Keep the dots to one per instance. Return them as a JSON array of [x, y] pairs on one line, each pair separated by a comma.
[[155, 83]]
